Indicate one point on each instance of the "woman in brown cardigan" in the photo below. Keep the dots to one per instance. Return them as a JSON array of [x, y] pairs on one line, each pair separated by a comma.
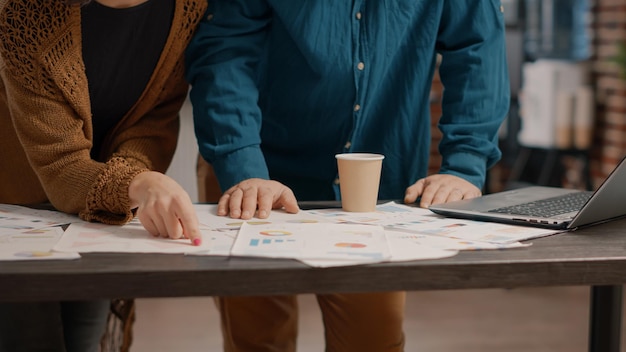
[[90, 93]]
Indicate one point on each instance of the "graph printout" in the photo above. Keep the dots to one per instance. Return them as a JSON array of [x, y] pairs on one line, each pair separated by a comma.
[[365, 243], [400, 217]]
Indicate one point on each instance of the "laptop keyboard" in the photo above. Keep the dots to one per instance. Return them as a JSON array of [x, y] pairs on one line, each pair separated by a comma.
[[549, 207]]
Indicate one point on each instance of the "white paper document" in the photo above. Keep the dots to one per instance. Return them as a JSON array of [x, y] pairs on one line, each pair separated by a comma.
[[207, 216], [404, 240], [322, 238], [221, 243], [401, 217], [363, 243], [22, 218], [32, 245], [224, 230], [405, 248], [410, 233], [86, 237]]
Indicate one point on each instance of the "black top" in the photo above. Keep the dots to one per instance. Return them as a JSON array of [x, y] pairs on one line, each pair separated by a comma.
[[121, 48]]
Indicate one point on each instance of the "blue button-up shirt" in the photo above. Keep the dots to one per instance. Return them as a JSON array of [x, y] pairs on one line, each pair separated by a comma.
[[281, 86]]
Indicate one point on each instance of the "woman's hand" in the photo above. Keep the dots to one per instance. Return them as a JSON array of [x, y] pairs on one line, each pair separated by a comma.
[[164, 207]]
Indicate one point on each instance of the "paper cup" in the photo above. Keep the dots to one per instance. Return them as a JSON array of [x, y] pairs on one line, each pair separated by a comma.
[[359, 179]]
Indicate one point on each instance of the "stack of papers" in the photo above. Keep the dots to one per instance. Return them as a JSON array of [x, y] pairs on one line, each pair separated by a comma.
[[321, 238], [30, 234], [326, 237]]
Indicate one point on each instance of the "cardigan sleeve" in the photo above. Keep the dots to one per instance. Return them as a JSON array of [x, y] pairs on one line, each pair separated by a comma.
[[47, 95], [145, 143], [57, 144]]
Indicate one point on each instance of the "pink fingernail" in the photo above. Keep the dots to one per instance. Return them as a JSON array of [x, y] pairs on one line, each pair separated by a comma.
[[197, 241]]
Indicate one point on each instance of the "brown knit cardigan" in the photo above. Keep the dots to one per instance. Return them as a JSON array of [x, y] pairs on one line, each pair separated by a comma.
[[45, 116]]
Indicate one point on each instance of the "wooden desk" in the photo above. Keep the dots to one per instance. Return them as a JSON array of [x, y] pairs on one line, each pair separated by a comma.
[[594, 256]]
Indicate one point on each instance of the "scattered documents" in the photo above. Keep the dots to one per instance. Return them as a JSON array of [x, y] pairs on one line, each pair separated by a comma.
[[22, 218], [32, 244], [411, 234], [320, 238], [402, 217]]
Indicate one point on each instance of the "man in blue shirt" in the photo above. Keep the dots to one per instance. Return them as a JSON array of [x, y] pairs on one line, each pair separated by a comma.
[[281, 86]]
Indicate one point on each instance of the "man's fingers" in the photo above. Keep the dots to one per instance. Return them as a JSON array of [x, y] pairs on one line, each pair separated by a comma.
[[223, 205], [249, 202], [428, 194], [413, 192], [454, 195], [234, 203], [442, 188], [288, 201], [265, 203], [256, 197]]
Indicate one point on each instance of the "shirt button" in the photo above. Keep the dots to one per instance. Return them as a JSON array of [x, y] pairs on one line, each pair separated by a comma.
[[357, 107], [360, 66], [348, 145], [501, 8], [209, 17], [337, 181], [358, 15]]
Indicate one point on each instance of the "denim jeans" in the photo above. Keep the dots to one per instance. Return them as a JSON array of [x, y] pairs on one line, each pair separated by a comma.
[[75, 326]]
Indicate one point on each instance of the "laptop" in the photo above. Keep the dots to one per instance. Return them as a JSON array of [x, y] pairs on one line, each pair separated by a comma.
[[547, 207]]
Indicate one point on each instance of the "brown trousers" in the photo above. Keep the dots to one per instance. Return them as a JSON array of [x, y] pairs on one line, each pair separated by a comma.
[[353, 322]]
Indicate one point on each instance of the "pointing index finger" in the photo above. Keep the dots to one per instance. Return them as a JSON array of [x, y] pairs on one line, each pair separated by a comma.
[[191, 229]]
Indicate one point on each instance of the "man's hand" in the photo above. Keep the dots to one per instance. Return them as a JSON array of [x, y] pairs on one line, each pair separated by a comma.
[[163, 207], [440, 188], [243, 199]]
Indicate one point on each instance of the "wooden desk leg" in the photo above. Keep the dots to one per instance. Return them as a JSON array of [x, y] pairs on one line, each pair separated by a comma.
[[605, 318]]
